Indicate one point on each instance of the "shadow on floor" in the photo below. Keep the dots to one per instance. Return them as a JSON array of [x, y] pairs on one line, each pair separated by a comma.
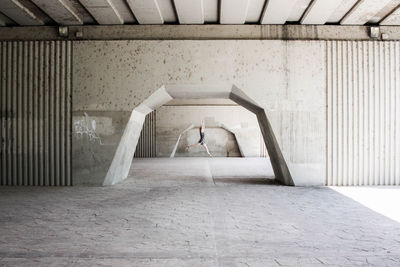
[[247, 180]]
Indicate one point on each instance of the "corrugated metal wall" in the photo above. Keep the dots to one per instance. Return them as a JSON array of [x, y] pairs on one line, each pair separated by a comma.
[[35, 113], [363, 125], [146, 147]]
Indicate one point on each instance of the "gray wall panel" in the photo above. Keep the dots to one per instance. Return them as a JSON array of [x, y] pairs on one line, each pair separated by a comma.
[[35, 113]]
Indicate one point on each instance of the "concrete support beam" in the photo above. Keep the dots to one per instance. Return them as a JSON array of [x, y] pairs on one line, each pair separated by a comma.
[[393, 18], [234, 11], [277, 11], [199, 32], [146, 11], [23, 12], [5, 21], [64, 12], [319, 11], [364, 11], [108, 11], [190, 11]]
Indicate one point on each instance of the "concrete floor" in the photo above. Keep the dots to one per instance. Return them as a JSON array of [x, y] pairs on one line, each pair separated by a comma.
[[193, 212]]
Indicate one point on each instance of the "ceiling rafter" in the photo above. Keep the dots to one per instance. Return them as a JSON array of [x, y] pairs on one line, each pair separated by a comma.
[[119, 12]]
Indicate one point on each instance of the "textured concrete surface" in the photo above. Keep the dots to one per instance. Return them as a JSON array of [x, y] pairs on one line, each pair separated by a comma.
[[96, 135], [122, 160], [193, 212], [172, 120], [119, 75]]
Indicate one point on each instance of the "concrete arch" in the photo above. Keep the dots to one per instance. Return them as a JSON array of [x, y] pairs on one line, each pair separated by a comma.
[[120, 165]]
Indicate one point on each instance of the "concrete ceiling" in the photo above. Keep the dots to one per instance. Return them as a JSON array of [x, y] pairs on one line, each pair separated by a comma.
[[116, 12]]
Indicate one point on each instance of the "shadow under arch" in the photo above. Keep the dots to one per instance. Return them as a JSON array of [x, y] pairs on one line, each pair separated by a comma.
[[122, 160]]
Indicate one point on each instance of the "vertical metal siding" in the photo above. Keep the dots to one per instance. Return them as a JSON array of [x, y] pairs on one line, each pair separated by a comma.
[[146, 147], [35, 113], [363, 124]]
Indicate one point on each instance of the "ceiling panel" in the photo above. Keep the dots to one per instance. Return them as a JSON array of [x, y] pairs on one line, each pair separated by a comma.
[[211, 9], [24, 12], [364, 11], [277, 11], [233, 11], [389, 8], [254, 11], [123, 10], [60, 11], [319, 11], [393, 18], [104, 12], [189, 11], [167, 11], [341, 10], [6, 21], [146, 11], [298, 10]]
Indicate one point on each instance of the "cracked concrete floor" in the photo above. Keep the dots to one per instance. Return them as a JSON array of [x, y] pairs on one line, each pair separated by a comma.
[[193, 212]]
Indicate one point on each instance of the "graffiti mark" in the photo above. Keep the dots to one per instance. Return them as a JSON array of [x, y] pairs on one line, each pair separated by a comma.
[[87, 126]]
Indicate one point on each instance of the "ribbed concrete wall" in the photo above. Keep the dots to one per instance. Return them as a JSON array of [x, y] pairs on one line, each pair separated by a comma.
[[35, 113], [146, 147], [363, 124]]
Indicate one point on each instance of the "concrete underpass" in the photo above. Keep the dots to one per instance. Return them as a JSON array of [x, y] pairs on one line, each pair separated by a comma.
[[299, 102]]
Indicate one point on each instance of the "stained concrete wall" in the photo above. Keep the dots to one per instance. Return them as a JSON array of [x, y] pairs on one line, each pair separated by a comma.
[[288, 78], [95, 137], [172, 120]]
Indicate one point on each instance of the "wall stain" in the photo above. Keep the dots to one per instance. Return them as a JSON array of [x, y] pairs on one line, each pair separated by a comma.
[[87, 126]]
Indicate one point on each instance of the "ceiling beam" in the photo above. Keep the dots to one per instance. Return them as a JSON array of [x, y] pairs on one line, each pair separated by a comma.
[[61, 11], [233, 11], [319, 11], [190, 11], [5, 21], [393, 18], [122, 8], [146, 11], [211, 8], [384, 12], [255, 10], [104, 11], [23, 12], [341, 10], [363, 11], [277, 11], [298, 10], [168, 11]]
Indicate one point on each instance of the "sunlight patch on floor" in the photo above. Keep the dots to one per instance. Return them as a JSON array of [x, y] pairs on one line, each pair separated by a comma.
[[384, 200]]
